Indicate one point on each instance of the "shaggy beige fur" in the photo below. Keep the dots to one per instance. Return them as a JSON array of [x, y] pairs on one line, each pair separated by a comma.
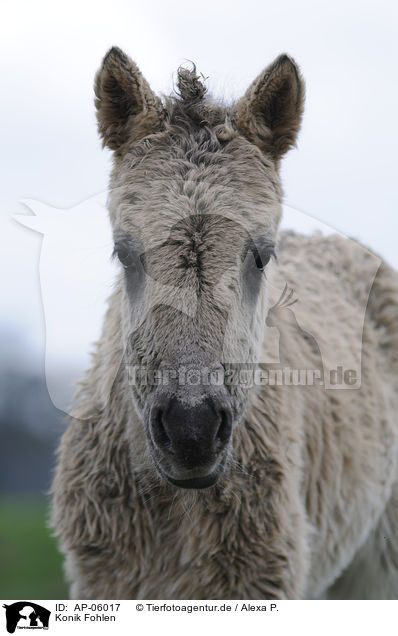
[[308, 503]]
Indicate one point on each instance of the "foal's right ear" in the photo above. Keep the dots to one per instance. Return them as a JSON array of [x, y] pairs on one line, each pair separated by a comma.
[[270, 112], [127, 109]]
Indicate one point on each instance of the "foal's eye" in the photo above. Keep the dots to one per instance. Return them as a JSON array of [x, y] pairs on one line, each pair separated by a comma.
[[257, 256], [262, 256], [130, 253], [126, 256], [262, 260]]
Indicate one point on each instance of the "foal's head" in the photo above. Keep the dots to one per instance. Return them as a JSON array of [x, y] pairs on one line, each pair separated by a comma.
[[195, 203]]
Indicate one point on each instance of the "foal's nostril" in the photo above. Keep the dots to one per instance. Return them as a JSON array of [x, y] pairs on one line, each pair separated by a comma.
[[224, 430], [159, 433]]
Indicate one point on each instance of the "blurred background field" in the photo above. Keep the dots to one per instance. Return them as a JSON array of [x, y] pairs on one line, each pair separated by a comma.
[[30, 563], [30, 428]]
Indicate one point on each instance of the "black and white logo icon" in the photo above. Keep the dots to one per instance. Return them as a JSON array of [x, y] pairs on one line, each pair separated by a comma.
[[26, 615]]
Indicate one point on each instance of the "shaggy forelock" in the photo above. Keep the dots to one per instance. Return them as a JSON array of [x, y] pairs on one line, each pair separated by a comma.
[[191, 104]]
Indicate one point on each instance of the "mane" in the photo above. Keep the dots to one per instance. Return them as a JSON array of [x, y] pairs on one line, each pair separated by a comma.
[[189, 85], [191, 109]]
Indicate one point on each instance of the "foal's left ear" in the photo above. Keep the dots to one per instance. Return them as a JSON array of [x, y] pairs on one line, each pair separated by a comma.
[[270, 112], [127, 109]]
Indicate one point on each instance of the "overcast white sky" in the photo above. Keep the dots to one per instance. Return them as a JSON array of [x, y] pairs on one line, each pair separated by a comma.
[[343, 172]]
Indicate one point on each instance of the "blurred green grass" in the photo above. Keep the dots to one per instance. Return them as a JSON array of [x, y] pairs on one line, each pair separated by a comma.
[[30, 565]]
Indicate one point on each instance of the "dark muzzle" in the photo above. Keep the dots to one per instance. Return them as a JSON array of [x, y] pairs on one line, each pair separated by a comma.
[[190, 438]]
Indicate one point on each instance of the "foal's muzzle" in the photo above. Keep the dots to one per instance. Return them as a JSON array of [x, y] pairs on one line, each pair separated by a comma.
[[189, 440]]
